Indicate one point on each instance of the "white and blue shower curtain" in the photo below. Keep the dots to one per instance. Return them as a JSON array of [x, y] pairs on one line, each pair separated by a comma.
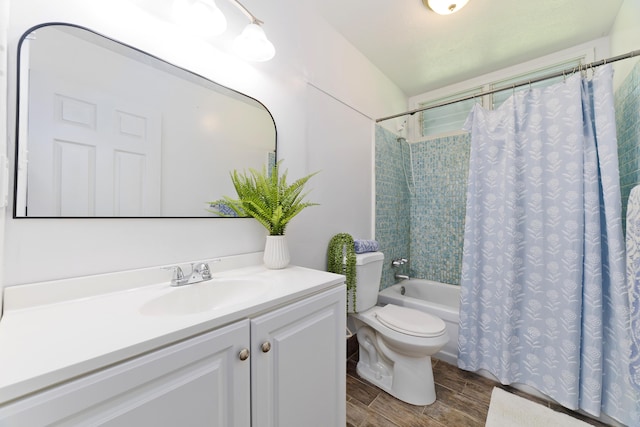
[[543, 290]]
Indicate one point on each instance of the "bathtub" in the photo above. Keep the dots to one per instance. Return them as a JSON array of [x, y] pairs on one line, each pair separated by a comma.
[[435, 298]]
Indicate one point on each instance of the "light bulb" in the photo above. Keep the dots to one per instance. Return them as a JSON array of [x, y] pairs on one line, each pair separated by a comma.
[[252, 44], [200, 16], [446, 7]]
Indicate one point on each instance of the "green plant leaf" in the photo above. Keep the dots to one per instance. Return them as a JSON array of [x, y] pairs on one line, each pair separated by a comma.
[[266, 197]]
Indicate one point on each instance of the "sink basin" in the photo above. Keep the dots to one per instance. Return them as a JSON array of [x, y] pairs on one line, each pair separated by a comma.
[[205, 296]]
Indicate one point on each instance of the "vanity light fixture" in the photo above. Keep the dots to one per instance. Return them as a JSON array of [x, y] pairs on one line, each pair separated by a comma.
[[252, 44], [204, 18], [445, 7]]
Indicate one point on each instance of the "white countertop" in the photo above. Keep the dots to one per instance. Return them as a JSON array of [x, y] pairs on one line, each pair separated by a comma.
[[53, 332]]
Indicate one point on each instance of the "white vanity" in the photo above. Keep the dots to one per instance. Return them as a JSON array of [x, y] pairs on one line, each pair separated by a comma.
[[251, 347]]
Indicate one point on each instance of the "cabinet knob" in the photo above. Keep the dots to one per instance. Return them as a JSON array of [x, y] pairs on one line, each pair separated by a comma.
[[244, 354], [265, 347]]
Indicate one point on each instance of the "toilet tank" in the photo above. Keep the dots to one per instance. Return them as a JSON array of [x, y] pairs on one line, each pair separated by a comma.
[[368, 274]]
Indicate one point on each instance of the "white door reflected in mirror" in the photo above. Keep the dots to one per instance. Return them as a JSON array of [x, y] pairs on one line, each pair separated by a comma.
[[106, 130]]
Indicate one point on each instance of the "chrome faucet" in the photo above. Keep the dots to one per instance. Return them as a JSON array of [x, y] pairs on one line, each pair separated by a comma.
[[200, 272], [399, 262]]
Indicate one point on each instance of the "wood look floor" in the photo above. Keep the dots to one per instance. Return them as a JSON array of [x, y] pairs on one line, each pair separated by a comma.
[[462, 401]]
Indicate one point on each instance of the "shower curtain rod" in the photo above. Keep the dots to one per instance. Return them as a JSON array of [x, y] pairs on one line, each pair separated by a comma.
[[568, 71]]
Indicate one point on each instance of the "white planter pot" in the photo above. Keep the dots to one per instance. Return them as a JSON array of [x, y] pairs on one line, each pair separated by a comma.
[[276, 252]]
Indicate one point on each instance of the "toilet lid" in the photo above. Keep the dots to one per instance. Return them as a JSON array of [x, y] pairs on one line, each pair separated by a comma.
[[409, 321]]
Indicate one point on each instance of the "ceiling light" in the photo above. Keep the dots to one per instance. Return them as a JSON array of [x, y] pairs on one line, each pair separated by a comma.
[[200, 16], [445, 7]]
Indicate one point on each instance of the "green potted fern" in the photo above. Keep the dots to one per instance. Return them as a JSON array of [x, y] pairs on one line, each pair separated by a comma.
[[272, 202]]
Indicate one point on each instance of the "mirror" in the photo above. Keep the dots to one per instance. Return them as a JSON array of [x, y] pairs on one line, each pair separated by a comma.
[[105, 130]]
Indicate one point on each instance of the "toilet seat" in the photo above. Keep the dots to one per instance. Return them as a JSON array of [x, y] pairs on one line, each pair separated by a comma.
[[410, 322]]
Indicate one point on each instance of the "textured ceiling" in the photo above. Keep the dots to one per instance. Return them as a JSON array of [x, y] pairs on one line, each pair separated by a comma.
[[421, 51]]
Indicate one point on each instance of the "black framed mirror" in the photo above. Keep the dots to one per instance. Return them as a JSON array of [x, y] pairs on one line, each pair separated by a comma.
[[106, 130]]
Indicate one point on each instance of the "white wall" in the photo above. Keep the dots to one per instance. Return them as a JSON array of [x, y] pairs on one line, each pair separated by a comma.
[[339, 140], [625, 37], [308, 52], [4, 18]]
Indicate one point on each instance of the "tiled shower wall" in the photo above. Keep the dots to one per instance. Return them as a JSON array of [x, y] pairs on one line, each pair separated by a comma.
[[441, 168], [421, 216], [392, 201], [627, 104]]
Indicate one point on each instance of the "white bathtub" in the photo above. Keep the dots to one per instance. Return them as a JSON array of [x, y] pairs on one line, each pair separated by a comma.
[[435, 298]]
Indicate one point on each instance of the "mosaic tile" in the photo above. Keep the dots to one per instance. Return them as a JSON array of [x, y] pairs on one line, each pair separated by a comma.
[[392, 200], [420, 216]]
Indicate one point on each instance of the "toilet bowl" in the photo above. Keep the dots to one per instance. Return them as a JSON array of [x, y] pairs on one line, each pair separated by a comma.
[[395, 343]]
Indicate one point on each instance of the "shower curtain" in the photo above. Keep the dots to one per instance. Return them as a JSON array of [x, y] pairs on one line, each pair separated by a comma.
[[543, 292]]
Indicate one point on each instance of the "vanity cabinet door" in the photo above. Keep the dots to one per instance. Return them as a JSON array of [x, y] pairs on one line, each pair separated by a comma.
[[298, 366], [199, 382]]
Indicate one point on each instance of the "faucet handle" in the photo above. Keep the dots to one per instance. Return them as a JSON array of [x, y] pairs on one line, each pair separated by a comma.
[[204, 270], [398, 262], [178, 275]]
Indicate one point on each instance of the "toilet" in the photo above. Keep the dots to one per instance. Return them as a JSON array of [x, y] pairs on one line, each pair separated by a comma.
[[396, 343]]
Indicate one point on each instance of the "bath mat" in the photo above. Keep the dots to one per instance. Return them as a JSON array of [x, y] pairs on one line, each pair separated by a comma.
[[509, 410]]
